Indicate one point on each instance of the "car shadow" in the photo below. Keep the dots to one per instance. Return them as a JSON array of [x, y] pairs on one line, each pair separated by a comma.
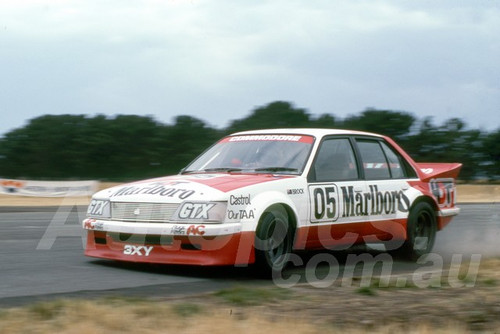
[[208, 272], [321, 262]]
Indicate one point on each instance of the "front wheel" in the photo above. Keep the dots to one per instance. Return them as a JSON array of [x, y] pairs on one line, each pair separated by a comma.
[[274, 241], [421, 231]]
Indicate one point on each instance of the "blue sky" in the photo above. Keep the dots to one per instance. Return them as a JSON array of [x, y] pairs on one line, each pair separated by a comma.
[[218, 60]]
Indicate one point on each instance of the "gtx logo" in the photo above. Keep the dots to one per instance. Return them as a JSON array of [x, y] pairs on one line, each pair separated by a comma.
[[96, 207], [195, 210], [137, 250]]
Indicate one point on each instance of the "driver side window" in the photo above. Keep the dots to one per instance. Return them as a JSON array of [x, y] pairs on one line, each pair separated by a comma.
[[335, 161]]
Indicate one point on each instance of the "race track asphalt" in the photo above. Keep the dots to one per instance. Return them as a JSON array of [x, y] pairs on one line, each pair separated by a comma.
[[41, 258]]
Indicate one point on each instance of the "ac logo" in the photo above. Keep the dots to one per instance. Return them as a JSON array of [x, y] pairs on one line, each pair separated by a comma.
[[196, 230]]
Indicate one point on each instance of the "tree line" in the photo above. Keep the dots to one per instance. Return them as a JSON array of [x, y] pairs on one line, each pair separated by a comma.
[[127, 147]]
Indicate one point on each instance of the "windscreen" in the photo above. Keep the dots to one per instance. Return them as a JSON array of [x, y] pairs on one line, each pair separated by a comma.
[[255, 153]]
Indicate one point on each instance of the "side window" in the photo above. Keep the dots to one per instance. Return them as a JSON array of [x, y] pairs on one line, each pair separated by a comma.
[[395, 165], [335, 161], [374, 161]]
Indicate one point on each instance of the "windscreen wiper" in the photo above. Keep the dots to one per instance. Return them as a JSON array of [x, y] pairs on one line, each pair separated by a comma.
[[212, 170], [232, 169], [222, 169], [276, 169]]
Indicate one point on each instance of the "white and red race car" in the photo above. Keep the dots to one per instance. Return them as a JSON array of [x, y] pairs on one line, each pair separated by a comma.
[[258, 196]]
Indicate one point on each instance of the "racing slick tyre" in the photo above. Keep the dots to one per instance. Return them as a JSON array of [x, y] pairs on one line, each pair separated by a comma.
[[273, 242], [421, 231]]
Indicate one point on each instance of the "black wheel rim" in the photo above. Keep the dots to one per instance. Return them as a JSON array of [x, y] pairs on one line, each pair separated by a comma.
[[423, 228], [277, 242]]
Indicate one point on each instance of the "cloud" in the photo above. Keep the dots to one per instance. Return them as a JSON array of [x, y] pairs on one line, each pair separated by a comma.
[[218, 59]]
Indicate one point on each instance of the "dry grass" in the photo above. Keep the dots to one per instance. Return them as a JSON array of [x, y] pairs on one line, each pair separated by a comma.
[[304, 309], [137, 316], [489, 272]]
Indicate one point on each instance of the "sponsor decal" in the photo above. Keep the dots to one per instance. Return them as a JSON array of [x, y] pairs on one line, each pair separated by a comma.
[[92, 224], [266, 137], [11, 186], [89, 223], [196, 230], [195, 210], [374, 202], [96, 207], [298, 191], [289, 138], [325, 203], [240, 214], [444, 191], [137, 250], [47, 188], [240, 200], [178, 230], [159, 189], [331, 203], [427, 170], [12, 183]]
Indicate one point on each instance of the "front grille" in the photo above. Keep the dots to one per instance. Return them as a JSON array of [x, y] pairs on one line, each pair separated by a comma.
[[142, 212]]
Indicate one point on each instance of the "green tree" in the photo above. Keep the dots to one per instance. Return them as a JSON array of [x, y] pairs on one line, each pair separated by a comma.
[[324, 121], [277, 114], [129, 147], [181, 142], [395, 124], [491, 150], [450, 142], [42, 148], [119, 147], [76, 146]]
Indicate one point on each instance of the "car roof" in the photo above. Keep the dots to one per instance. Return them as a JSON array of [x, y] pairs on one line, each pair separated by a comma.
[[316, 132]]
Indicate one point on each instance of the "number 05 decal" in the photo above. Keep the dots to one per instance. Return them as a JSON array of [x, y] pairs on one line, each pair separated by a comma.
[[324, 203]]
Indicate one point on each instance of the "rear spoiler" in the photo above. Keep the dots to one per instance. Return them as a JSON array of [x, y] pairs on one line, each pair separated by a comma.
[[429, 171]]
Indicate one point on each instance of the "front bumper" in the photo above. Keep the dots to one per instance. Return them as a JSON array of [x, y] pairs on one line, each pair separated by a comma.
[[191, 244]]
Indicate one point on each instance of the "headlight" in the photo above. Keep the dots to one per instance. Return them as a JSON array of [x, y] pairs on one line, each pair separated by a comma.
[[201, 211], [99, 209]]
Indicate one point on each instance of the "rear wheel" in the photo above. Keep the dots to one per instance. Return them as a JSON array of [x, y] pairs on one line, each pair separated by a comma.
[[421, 231], [274, 241]]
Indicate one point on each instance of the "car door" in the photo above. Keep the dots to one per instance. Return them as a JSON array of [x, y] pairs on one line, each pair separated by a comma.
[[386, 177], [334, 182]]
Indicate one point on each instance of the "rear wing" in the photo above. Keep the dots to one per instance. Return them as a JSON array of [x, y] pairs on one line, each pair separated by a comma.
[[428, 171]]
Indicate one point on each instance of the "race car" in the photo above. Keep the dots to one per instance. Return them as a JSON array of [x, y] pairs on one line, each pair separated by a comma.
[[258, 196]]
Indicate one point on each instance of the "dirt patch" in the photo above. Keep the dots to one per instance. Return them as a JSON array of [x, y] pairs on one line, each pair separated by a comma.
[[478, 193]]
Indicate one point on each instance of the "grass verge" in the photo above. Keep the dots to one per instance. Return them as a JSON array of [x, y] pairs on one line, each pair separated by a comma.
[[302, 309]]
